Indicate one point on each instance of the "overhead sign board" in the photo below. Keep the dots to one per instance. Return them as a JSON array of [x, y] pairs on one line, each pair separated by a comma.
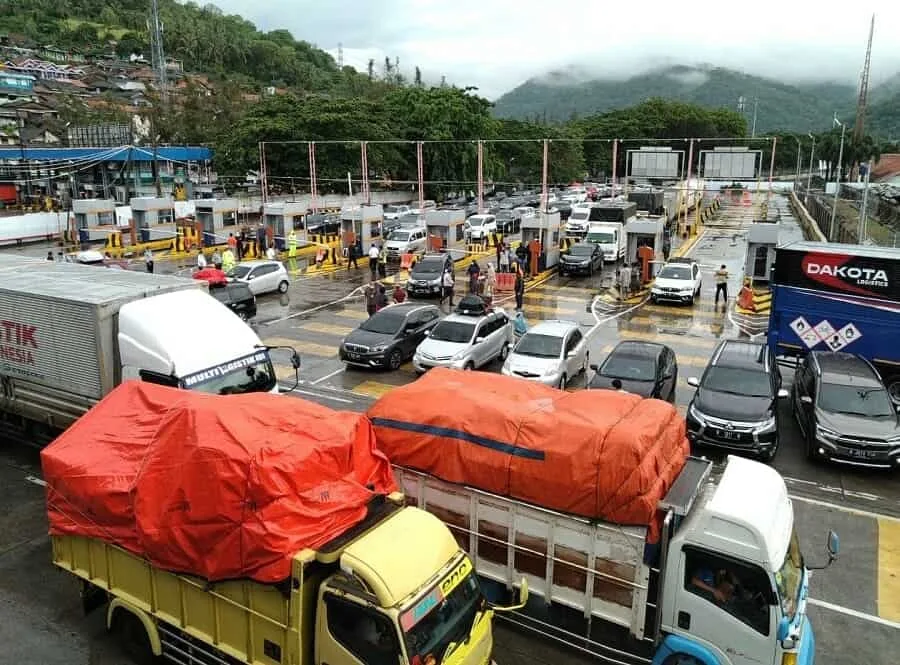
[[730, 164], [649, 162]]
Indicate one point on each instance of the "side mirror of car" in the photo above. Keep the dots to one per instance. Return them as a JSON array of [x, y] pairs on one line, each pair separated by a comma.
[[427, 333], [693, 381], [479, 340], [570, 354], [806, 399], [782, 393], [595, 367]]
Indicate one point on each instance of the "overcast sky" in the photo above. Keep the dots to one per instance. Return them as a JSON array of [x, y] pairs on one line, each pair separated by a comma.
[[498, 44]]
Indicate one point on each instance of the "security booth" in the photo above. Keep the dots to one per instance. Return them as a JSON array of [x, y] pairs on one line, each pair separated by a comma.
[[447, 227], [214, 215], [543, 227], [362, 223], [281, 218], [651, 200], [762, 239], [91, 213], [644, 242], [148, 212]]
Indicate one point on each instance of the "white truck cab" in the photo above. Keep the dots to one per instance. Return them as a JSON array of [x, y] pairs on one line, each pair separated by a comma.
[[610, 237], [159, 341]]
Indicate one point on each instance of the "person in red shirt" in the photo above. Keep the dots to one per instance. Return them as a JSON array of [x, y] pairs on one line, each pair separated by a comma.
[[399, 294]]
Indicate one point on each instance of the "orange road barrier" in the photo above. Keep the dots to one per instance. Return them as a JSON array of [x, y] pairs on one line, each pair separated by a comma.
[[407, 261], [506, 281]]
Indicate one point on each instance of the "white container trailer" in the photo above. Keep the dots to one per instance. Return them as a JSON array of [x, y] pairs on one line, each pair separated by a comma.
[[70, 333]]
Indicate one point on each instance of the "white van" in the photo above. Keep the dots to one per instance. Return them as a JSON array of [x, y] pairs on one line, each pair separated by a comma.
[[405, 241], [610, 237]]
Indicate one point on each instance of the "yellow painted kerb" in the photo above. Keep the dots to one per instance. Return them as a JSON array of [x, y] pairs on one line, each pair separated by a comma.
[[889, 569]]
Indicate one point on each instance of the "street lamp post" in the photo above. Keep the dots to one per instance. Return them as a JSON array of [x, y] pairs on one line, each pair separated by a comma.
[[812, 152], [837, 184], [799, 152], [861, 229]]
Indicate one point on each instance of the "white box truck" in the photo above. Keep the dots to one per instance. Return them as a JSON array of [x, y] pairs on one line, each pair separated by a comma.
[[726, 583], [70, 333]]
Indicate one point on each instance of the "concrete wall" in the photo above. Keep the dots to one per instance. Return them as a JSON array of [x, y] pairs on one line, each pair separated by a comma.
[[811, 229]]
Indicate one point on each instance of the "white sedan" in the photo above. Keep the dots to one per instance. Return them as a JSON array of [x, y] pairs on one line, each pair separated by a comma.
[[262, 276]]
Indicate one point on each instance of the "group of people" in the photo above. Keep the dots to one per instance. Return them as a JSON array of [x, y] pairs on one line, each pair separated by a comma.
[[376, 296], [509, 260]]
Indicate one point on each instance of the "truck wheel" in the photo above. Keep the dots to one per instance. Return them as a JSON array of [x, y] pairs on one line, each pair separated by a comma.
[[132, 637], [563, 382], [681, 659]]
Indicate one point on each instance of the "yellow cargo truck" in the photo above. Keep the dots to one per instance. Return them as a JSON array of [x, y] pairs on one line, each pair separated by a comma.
[[396, 589]]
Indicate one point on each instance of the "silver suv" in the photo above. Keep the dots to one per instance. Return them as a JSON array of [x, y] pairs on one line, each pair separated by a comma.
[[466, 342]]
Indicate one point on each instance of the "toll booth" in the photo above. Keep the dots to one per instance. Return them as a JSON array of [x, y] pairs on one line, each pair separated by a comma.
[[214, 215], [645, 232], [90, 213], [280, 218], [448, 227], [762, 239], [364, 223], [148, 212], [545, 228]]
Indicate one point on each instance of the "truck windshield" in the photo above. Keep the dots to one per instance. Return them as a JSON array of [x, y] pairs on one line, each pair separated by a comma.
[[250, 374], [789, 577], [450, 620], [602, 237]]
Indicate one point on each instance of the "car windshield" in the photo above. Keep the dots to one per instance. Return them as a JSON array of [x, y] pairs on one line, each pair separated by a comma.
[[675, 272], [789, 578], [579, 215], [737, 381], [391, 209], [384, 323], [539, 346], [629, 367], [475, 221], [453, 331], [428, 266], [239, 272], [855, 401], [250, 374], [437, 621], [581, 249], [603, 237], [401, 236]]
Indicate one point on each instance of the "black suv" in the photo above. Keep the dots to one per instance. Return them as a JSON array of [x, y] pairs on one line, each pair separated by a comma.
[[426, 275], [237, 297], [736, 403], [844, 411], [390, 336]]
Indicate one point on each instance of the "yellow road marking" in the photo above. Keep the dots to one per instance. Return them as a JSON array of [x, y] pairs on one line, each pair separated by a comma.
[[563, 289], [358, 314], [655, 319], [672, 340], [685, 312], [285, 373], [549, 295], [326, 328], [889, 570], [549, 309], [302, 347], [373, 388]]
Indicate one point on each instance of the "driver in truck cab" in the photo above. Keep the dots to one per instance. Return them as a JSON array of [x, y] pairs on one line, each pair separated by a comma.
[[720, 585]]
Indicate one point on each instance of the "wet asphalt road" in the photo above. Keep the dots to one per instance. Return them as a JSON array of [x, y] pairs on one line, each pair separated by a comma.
[[40, 615]]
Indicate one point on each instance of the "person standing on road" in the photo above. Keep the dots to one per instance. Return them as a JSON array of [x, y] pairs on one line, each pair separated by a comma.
[[399, 294], [228, 260], [447, 287], [292, 244], [503, 257], [352, 256], [382, 261], [722, 284], [270, 253], [201, 261], [148, 259], [474, 271], [369, 295], [380, 296], [490, 283], [520, 288], [373, 261], [217, 259]]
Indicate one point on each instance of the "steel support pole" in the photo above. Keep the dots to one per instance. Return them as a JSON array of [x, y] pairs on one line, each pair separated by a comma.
[[863, 220], [797, 174], [480, 185], [420, 163], [364, 165], [263, 180], [687, 183], [313, 189], [837, 185], [771, 168], [812, 154], [545, 170], [615, 159]]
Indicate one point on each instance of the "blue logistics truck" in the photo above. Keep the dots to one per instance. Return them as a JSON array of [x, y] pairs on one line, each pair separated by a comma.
[[832, 297]]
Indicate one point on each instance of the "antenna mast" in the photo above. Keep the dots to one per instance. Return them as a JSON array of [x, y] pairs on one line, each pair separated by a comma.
[[340, 56], [156, 46], [859, 129]]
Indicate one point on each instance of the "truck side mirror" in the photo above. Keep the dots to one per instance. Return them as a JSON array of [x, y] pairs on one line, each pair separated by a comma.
[[295, 360], [693, 381], [523, 599]]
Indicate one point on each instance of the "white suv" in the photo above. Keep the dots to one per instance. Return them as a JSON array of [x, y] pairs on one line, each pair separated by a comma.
[[405, 241], [678, 281], [466, 342], [479, 226]]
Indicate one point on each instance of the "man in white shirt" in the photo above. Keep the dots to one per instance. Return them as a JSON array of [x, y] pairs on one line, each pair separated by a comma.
[[270, 253], [447, 287], [373, 261]]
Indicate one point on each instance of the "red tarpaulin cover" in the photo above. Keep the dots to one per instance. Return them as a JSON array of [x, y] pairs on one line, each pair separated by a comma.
[[599, 454], [219, 487]]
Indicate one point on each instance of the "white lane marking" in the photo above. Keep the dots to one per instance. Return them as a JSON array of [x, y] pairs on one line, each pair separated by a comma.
[[844, 509], [854, 613], [35, 480], [600, 320], [326, 377], [354, 293], [323, 396]]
